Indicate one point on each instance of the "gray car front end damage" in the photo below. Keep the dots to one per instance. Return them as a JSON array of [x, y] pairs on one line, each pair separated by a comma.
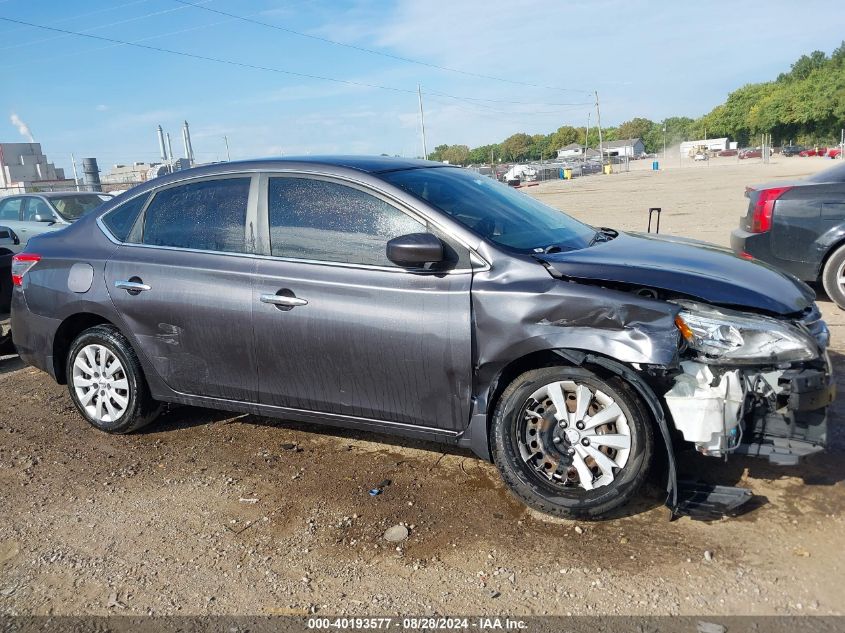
[[726, 381], [727, 356]]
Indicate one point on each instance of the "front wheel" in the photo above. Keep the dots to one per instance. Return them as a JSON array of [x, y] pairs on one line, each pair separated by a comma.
[[570, 443], [106, 382]]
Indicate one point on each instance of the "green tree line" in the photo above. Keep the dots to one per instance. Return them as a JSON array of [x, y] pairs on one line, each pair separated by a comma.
[[805, 105]]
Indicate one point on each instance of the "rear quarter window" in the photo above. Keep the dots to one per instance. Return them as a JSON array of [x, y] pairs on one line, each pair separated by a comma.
[[121, 220]]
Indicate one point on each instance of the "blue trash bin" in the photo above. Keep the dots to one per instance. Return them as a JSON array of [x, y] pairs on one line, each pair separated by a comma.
[[655, 165]]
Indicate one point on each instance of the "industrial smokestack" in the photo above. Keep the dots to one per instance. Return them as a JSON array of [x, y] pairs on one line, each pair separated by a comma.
[[170, 152], [186, 138], [161, 145], [91, 174]]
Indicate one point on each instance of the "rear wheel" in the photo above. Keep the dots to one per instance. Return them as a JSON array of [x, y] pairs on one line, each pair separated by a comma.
[[833, 277], [570, 443], [106, 382]]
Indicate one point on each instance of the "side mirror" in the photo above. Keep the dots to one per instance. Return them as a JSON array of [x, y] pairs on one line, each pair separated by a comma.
[[415, 249], [39, 217]]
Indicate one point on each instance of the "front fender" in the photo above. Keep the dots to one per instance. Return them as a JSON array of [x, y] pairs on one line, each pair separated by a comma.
[[521, 309], [521, 312]]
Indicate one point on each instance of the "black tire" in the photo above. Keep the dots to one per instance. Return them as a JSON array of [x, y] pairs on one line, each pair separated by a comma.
[[141, 408], [569, 500], [6, 345], [833, 269]]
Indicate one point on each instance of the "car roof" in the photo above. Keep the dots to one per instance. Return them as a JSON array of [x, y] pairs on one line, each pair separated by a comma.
[[59, 194], [337, 164], [367, 164]]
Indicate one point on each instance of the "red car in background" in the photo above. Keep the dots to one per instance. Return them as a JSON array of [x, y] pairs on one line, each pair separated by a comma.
[[751, 152], [816, 151], [728, 152], [834, 152]]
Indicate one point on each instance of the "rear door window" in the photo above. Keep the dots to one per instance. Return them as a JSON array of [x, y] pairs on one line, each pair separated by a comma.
[[208, 215]]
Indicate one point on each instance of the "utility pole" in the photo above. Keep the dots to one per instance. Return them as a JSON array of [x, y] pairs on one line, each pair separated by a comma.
[[598, 121], [586, 138], [228, 157], [664, 142], [75, 174], [422, 122]]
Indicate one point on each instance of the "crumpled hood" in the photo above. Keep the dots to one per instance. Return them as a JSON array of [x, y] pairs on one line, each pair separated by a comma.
[[696, 269]]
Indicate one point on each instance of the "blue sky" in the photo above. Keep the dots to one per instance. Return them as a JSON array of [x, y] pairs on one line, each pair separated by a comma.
[[652, 59]]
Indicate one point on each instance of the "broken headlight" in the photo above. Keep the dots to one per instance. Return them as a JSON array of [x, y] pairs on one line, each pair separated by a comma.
[[725, 337]]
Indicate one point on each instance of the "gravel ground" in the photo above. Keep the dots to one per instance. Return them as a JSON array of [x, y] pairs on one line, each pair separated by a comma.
[[206, 513]]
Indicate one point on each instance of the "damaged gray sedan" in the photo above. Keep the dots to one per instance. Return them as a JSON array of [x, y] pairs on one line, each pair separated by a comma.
[[427, 301]]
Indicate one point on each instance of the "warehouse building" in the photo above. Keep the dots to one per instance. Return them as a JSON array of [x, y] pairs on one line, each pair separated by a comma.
[[630, 147]]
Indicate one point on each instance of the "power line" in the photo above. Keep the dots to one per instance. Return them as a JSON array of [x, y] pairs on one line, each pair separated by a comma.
[[443, 94], [99, 26], [375, 52], [28, 63], [492, 112], [137, 44], [86, 14], [208, 58]]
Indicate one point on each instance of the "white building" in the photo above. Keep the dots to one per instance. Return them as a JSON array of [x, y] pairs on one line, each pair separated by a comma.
[[712, 144], [570, 151], [631, 147], [136, 172], [24, 164]]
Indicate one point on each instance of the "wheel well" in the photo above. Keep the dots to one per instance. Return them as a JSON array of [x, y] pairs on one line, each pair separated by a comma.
[[70, 328], [546, 358]]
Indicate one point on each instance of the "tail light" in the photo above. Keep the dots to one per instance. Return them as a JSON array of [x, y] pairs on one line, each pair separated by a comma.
[[761, 221], [21, 263]]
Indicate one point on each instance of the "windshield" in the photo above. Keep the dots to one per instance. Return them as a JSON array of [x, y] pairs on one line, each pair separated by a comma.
[[73, 207], [494, 211]]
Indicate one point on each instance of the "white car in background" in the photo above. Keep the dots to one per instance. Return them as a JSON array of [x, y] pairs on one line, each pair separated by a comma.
[[32, 214]]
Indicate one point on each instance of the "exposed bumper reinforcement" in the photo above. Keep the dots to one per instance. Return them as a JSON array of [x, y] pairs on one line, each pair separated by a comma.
[[780, 451]]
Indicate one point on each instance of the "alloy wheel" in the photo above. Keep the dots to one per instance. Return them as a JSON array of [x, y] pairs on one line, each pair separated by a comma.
[[100, 382], [571, 435], [840, 277]]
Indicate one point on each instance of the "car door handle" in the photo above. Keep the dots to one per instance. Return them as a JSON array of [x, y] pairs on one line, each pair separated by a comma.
[[282, 300], [132, 286]]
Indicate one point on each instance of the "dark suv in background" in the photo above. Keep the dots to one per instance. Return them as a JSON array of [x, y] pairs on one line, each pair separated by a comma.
[[799, 226], [792, 150], [428, 301]]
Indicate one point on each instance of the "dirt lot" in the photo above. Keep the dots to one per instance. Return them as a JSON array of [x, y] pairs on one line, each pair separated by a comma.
[[209, 513]]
